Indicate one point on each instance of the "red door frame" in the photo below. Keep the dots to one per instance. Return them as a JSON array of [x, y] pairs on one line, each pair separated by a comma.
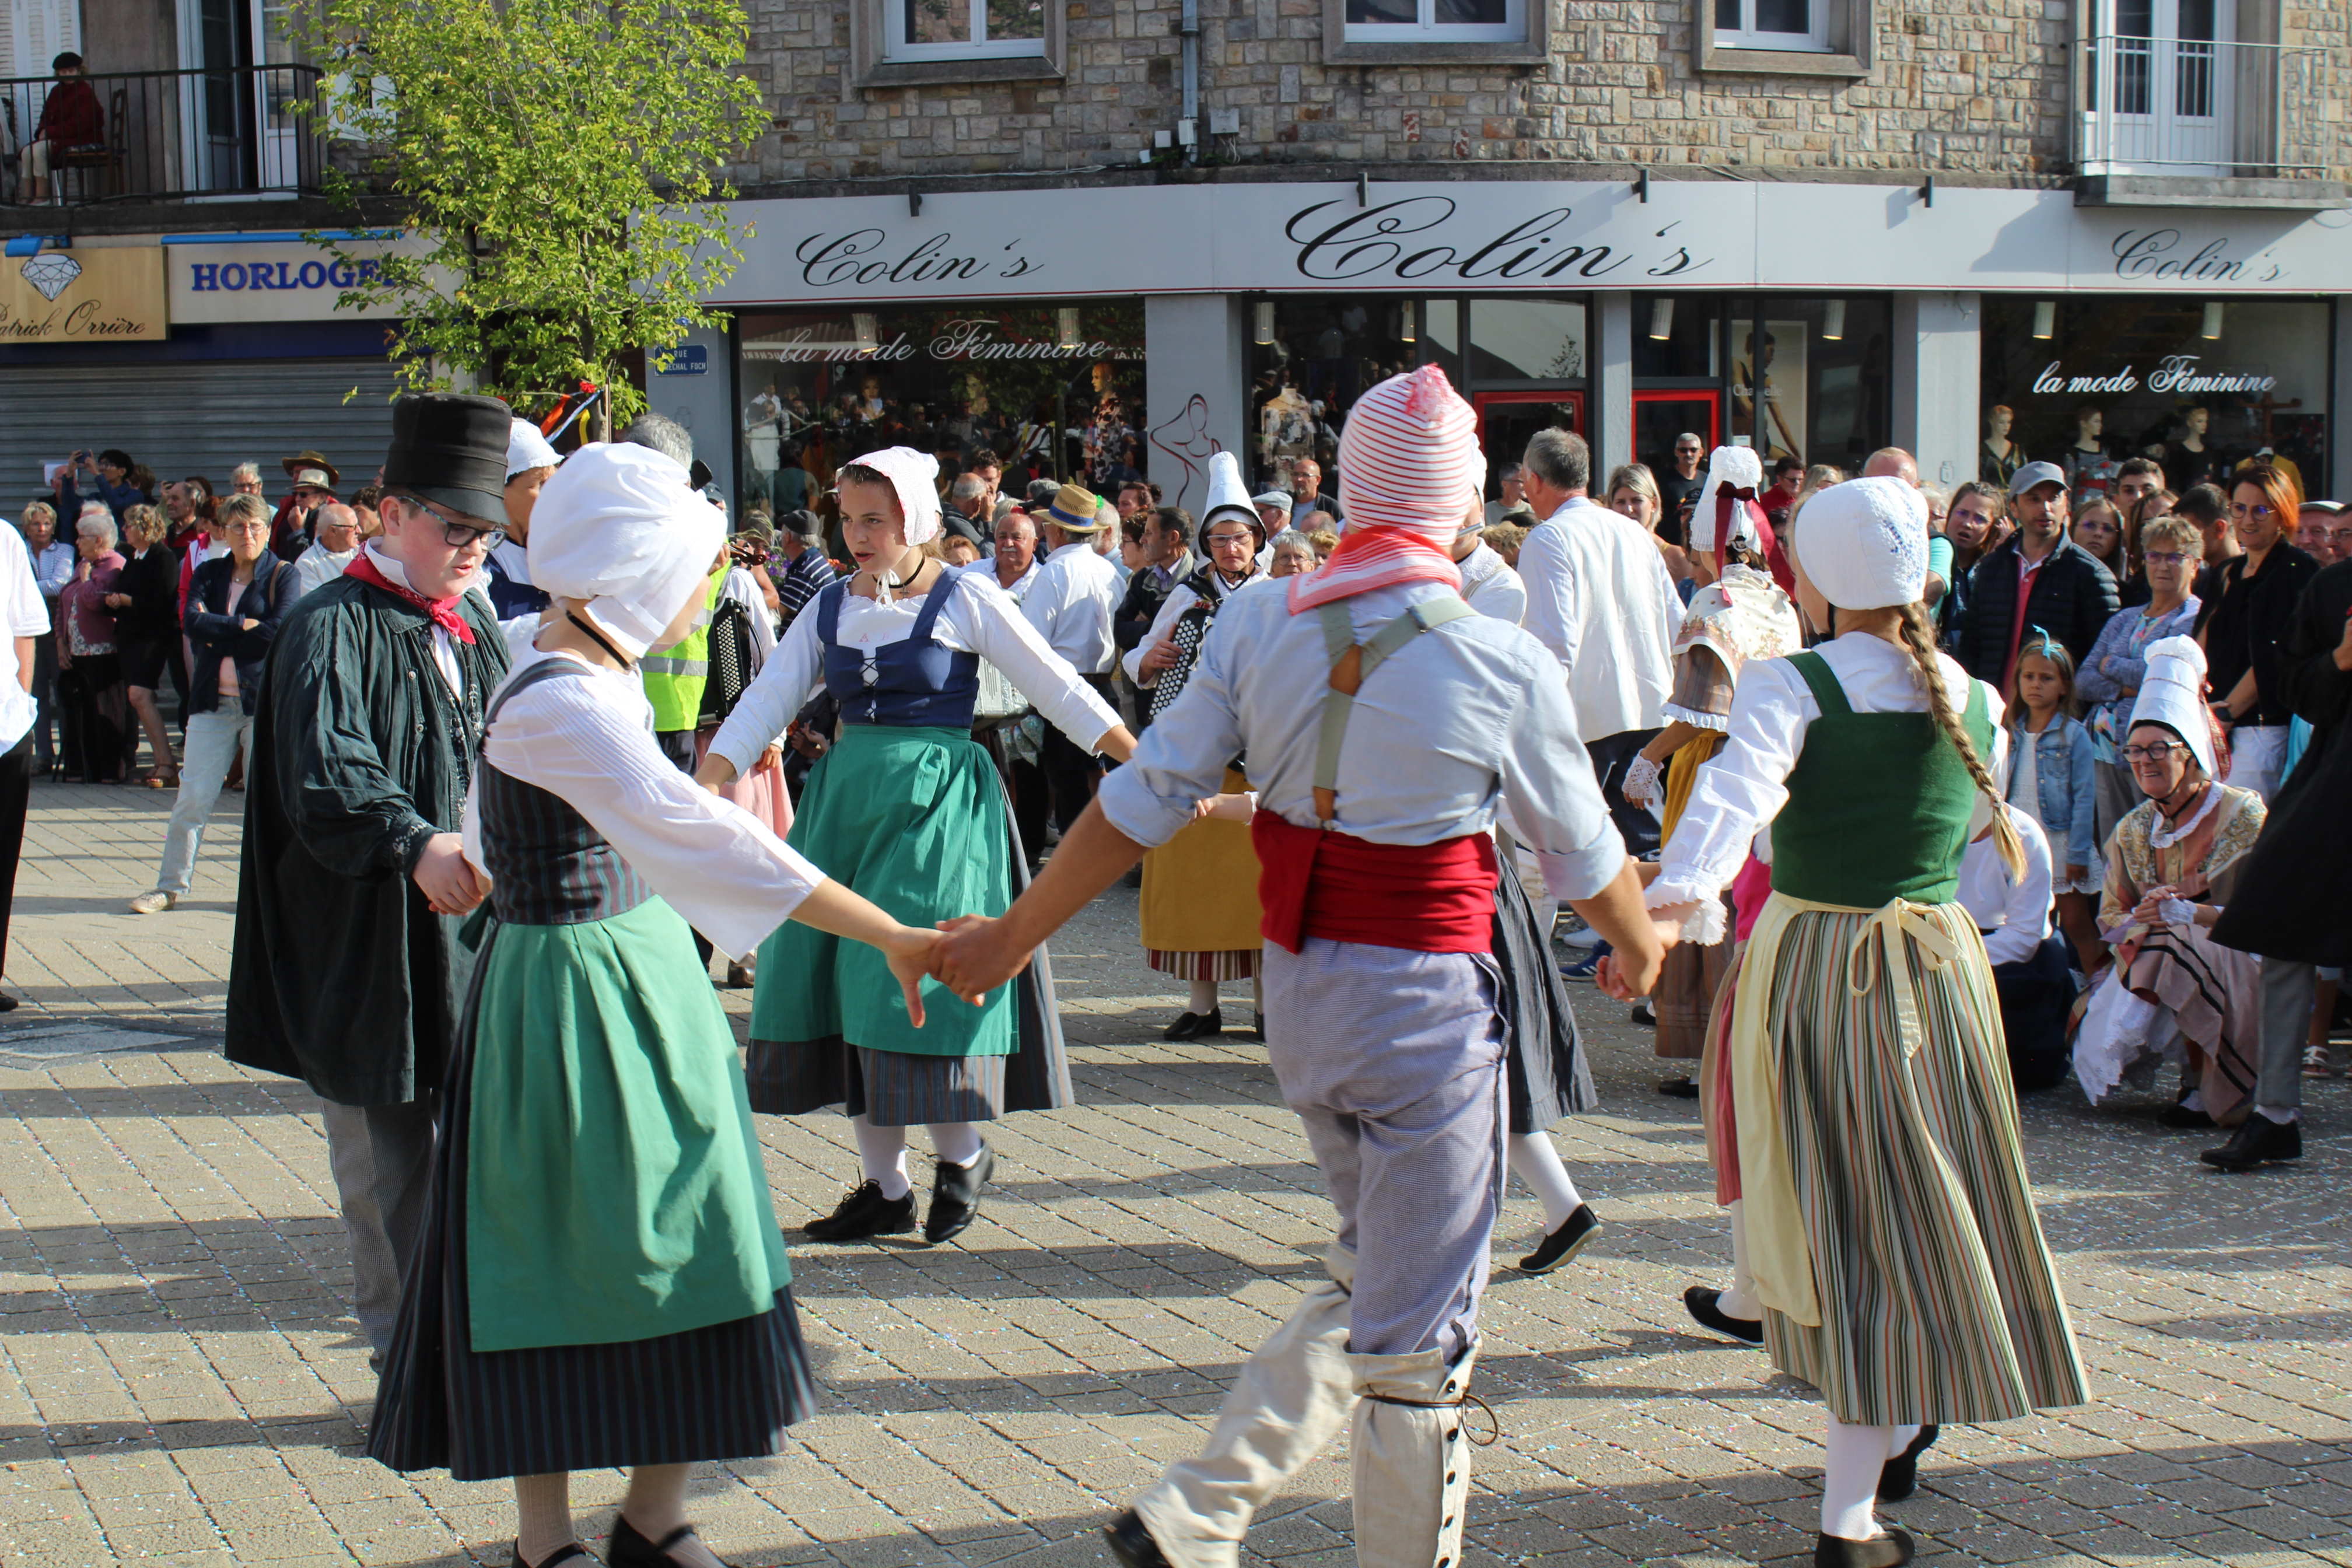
[[1711, 397], [1479, 400]]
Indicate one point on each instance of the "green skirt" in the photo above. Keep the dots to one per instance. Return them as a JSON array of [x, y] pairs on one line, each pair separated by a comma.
[[614, 1187], [914, 819]]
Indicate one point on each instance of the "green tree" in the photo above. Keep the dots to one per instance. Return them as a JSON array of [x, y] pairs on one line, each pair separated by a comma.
[[565, 163]]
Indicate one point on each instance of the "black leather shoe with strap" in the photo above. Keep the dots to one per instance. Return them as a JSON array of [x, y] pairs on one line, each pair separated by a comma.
[[1900, 1477], [1890, 1549], [864, 1213], [1132, 1544], [574, 1552], [630, 1550]]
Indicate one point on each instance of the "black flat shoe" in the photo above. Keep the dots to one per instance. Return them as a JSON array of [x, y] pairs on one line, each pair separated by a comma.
[[2181, 1116], [1679, 1089], [9, 1004], [1645, 1013], [1560, 1248], [1132, 1544], [1900, 1479], [630, 1550], [574, 1552], [1196, 1027], [1700, 1302], [1257, 1030], [864, 1213], [1890, 1549], [955, 1197], [2258, 1142]]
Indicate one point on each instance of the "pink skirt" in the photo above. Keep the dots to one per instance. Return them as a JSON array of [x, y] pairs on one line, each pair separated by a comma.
[[762, 792]]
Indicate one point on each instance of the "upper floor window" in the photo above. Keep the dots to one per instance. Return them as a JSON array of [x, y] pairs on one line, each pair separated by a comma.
[[1436, 21], [962, 29], [1801, 25]]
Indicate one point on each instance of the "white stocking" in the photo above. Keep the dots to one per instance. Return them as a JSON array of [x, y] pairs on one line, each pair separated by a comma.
[[883, 1151], [1535, 1162], [542, 1515], [1740, 1301], [1901, 1440], [956, 1142], [1204, 998], [1850, 1479]]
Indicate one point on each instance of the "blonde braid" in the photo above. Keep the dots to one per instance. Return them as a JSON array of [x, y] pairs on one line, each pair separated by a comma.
[[1919, 640]]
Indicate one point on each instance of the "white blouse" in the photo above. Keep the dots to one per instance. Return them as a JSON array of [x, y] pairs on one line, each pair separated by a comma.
[[2014, 914], [591, 744], [977, 617], [1743, 787]]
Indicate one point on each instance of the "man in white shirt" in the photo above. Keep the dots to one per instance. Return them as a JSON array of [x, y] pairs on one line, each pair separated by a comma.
[[1070, 604], [337, 546], [1511, 477], [27, 618], [1598, 597], [2029, 970]]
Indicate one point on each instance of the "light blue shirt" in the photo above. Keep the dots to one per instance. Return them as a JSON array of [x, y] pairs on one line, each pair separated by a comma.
[[1458, 723]]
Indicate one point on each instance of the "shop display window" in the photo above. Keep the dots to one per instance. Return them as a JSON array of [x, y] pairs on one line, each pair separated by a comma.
[[1520, 361], [1052, 391], [2199, 385]]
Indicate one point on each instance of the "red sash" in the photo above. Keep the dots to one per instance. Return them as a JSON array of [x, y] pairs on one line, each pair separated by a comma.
[[1423, 898]]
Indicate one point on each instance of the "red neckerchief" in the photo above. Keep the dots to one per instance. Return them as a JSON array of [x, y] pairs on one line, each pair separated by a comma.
[[443, 611]]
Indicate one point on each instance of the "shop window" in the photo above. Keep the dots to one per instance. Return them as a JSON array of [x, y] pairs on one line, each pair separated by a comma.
[[1404, 32], [2202, 386], [1797, 38], [1520, 362], [1054, 391], [906, 43]]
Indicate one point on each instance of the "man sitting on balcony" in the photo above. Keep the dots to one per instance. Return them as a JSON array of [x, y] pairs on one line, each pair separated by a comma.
[[71, 118]]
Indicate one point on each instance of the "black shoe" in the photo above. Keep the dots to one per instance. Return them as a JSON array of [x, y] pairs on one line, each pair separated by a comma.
[[7, 1003], [1196, 1027], [1679, 1089], [2177, 1114], [574, 1552], [628, 1549], [2257, 1141], [1900, 1477], [1132, 1544], [955, 1197], [1890, 1549], [864, 1213], [1700, 1302], [1257, 1030], [1645, 1012], [1561, 1245]]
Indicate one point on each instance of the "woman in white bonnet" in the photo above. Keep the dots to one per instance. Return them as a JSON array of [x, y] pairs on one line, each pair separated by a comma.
[[1889, 1235], [599, 1280], [907, 809]]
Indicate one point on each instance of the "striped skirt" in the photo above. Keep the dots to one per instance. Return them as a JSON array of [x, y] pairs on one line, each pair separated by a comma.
[[1939, 1301]]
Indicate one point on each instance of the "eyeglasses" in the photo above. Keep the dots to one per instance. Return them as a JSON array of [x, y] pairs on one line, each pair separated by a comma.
[[457, 534], [2164, 558], [2241, 510], [1228, 538], [2160, 753]]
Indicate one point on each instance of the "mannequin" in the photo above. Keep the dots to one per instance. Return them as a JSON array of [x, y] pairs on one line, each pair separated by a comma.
[[2002, 456], [2090, 467]]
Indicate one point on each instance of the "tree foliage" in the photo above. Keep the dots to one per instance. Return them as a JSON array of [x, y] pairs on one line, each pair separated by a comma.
[[565, 163]]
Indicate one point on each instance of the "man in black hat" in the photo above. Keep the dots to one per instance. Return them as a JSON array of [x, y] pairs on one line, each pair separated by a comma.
[[346, 972]]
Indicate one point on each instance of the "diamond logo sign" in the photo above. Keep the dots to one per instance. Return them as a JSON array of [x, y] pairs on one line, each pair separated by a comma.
[[51, 274]]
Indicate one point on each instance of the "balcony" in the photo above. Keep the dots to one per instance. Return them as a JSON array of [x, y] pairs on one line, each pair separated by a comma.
[[192, 135], [2205, 123]]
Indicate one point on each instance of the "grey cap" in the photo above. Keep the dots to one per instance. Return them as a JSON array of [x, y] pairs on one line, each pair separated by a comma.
[[1273, 497], [2032, 474]]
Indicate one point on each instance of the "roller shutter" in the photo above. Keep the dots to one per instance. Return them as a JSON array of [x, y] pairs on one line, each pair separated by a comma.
[[200, 416]]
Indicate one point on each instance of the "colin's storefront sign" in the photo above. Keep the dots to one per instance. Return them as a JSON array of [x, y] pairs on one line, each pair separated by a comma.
[[110, 295]]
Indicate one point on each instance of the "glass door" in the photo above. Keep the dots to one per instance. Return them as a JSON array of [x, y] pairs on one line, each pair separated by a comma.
[[2161, 77], [1508, 420]]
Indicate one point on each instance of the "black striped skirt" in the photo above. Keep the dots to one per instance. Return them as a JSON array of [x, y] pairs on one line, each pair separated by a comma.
[[724, 1392]]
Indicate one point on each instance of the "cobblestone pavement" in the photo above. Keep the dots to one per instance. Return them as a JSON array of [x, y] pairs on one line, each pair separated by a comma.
[[181, 1384]]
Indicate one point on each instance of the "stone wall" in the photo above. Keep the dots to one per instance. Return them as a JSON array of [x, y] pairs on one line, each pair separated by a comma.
[[1973, 88]]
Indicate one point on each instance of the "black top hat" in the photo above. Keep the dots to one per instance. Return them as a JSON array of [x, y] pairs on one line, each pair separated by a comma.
[[451, 449]]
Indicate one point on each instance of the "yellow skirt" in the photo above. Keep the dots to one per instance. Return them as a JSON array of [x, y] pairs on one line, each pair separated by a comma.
[[1200, 889]]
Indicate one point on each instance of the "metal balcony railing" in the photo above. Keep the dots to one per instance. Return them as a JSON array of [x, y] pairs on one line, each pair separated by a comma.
[[2185, 106], [170, 135]]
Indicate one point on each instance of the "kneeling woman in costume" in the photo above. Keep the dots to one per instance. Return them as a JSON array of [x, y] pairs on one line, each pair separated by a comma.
[[906, 809], [1897, 1258], [600, 1279]]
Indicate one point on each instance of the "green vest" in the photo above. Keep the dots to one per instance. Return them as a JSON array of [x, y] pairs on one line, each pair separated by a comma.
[[675, 676], [1878, 803]]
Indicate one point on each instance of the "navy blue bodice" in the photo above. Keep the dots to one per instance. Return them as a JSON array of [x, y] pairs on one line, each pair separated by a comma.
[[912, 683], [547, 865]]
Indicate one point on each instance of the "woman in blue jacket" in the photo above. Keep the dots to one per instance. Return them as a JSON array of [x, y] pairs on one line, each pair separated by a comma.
[[235, 604]]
